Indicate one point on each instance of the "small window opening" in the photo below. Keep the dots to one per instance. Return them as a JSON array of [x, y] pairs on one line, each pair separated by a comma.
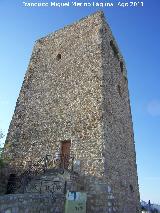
[[119, 90], [121, 66], [131, 188], [114, 48], [58, 57], [125, 78]]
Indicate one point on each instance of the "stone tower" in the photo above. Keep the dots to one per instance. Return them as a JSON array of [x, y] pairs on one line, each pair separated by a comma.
[[75, 92]]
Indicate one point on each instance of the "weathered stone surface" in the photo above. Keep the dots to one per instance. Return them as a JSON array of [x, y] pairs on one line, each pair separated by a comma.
[[76, 89], [31, 203], [3, 179]]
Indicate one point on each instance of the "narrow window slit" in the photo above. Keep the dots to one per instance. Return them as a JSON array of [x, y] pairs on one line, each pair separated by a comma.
[[121, 66], [114, 48], [58, 57], [119, 90], [131, 188]]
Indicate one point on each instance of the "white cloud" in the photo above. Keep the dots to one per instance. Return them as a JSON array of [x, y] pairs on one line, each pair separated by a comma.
[[153, 108]]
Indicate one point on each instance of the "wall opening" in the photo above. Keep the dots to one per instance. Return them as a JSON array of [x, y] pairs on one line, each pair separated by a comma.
[[131, 188], [114, 48], [58, 57], [11, 186], [119, 90], [125, 78], [121, 66], [65, 153]]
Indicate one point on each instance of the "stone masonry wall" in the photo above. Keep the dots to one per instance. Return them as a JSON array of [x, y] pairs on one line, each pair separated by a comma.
[[119, 148], [4, 173], [31, 203], [76, 89], [61, 98]]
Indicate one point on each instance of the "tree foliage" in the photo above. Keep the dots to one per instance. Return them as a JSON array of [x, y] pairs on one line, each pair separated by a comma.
[[1, 134]]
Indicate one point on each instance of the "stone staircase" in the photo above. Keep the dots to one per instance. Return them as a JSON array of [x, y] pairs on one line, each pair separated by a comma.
[[43, 193]]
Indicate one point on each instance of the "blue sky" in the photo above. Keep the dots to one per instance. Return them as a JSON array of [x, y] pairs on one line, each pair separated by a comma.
[[137, 31]]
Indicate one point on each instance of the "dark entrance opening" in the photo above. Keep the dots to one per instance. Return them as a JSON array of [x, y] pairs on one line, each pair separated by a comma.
[[11, 186], [65, 153]]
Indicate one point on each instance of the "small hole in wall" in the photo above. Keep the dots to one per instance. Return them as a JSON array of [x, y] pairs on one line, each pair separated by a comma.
[[114, 48], [119, 90], [58, 57], [101, 30], [131, 188], [121, 66], [82, 188], [125, 78]]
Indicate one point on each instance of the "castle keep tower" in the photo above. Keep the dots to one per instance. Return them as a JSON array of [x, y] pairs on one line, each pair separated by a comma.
[[74, 100]]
